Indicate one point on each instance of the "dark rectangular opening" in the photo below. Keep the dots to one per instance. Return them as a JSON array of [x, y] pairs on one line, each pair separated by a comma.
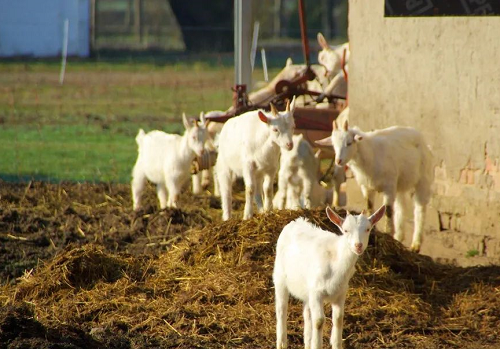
[[426, 8]]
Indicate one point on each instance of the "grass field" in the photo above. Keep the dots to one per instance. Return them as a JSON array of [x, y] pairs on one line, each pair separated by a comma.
[[85, 129]]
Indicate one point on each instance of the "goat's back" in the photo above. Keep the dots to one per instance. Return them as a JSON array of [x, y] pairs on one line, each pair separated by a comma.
[[400, 153], [241, 139], [155, 150]]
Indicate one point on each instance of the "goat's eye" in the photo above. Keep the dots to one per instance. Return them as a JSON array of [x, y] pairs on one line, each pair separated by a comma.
[[349, 144], [275, 130]]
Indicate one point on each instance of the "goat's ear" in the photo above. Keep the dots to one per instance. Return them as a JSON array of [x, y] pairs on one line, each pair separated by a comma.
[[289, 62], [334, 218], [325, 142], [374, 218], [263, 117], [187, 126], [346, 125], [203, 121], [358, 138], [322, 42]]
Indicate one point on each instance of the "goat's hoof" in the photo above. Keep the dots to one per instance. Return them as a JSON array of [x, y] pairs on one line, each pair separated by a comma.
[[415, 248]]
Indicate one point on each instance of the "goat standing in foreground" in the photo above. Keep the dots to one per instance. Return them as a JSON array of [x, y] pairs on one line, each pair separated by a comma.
[[165, 159], [315, 266], [392, 161], [249, 147]]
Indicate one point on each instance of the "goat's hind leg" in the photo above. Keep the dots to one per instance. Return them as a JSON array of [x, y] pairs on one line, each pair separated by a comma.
[[420, 199]]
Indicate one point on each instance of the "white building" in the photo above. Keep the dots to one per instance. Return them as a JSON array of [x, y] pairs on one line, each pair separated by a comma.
[[36, 28]]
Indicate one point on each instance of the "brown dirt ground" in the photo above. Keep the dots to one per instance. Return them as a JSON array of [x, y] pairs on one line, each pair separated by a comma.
[[80, 269]]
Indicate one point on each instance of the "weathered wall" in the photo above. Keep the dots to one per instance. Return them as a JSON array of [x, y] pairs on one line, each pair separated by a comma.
[[442, 76]]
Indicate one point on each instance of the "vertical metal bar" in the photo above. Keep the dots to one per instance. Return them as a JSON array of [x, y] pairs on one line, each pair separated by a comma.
[[242, 41], [303, 32]]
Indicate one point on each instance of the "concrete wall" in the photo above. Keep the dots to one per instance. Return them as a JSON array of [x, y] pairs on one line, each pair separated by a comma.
[[442, 76], [35, 28]]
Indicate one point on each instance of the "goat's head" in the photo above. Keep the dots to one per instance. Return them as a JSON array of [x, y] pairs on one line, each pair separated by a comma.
[[328, 57], [281, 125], [356, 228], [196, 133], [344, 142]]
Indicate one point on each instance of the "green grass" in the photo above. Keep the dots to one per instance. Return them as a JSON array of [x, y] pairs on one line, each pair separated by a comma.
[[85, 130]]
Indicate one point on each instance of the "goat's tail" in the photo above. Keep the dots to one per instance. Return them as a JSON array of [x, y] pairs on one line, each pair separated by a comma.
[[140, 137]]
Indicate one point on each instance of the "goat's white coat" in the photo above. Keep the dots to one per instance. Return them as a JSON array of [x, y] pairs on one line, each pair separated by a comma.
[[165, 160], [250, 148], [315, 266], [392, 161], [331, 57], [201, 180], [298, 178]]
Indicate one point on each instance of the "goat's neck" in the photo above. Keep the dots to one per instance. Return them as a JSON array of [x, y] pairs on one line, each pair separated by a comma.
[[346, 256], [185, 151], [364, 156]]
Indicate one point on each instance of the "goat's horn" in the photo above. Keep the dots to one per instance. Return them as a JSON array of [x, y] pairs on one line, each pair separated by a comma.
[[287, 105], [334, 125], [346, 125], [273, 109]]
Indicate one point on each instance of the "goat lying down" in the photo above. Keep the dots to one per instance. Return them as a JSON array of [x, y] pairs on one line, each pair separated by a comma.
[[315, 266]]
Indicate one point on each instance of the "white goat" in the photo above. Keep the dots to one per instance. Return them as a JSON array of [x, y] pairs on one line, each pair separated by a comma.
[[165, 159], [249, 147], [201, 180], [331, 58], [315, 266], [298, 178], [392, 161]]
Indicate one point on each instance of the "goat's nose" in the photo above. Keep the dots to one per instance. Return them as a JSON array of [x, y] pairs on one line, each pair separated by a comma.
[[289, 146], [358, 246]]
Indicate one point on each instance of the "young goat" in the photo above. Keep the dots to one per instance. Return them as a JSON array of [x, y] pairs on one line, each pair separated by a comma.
[[249, 147], [201, 180], [392, 161], [165, 159], [315, 266], [298, 178]]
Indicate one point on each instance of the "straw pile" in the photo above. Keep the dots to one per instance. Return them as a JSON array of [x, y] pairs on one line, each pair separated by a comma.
[[213, 289]]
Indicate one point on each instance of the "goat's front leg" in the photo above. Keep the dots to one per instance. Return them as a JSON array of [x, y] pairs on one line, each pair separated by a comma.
[[249, 179], [369, 196], [337, 323], [259, 183], [268, 192], [317, 319], [307, 325], [161, 192], [307, 188], [389, 199]]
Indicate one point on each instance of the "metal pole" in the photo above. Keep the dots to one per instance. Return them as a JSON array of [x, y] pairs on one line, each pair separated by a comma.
[[64, 51], [303, 32], [242, 41]]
